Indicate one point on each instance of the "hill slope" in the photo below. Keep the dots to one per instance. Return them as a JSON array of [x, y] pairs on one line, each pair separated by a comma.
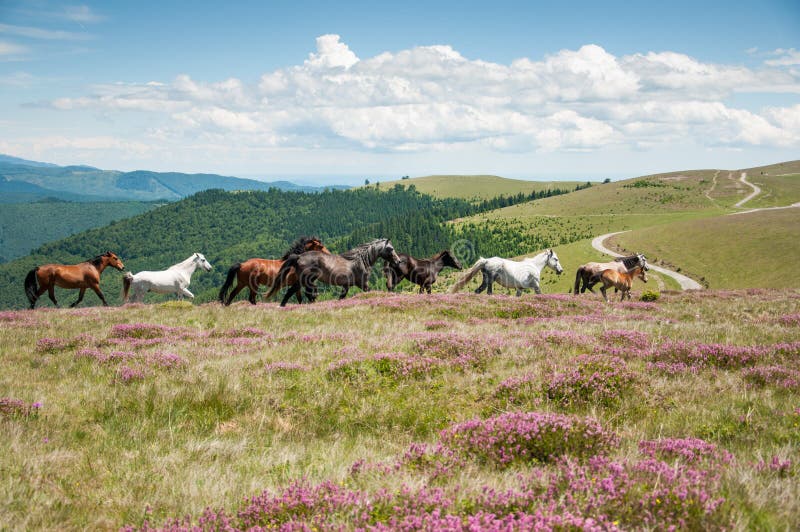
[[92, 184], [472, 187]]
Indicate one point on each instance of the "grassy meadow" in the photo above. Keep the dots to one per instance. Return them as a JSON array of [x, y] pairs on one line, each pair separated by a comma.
[[405, 412]]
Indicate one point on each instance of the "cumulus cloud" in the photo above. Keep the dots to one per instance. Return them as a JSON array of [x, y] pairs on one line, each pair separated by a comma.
[[431, 98], [11, 50]]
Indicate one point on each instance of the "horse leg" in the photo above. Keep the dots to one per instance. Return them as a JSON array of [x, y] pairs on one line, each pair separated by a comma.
[[51, 292], [96, 288], [345, 289], [236, 290], [603, 290], [428, 288], [482, 287], [39, 293], [185, 292], [251, 296], [519, 292], [490, 283], [289, 293], [80, 298]]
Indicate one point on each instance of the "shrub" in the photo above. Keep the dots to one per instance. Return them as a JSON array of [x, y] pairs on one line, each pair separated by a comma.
[[649, 295], [527, 437], [595, 379]]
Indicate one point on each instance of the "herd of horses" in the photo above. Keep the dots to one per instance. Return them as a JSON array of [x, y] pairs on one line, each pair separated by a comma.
[[308, 261]]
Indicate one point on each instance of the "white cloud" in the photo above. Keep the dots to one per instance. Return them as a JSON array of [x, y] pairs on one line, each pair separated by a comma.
[[790, 57], [430, 97], [81, 13], [38, 33], [11, 50]]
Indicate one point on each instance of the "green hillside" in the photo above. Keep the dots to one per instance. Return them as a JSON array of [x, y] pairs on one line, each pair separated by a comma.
[[25, 226], [473, 187], [757, 249]]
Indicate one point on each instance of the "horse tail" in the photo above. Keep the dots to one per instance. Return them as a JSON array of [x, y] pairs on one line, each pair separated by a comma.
[[31, 286], [469, 275], [232, 272], [280, 278], [578, 277], [127, 281]]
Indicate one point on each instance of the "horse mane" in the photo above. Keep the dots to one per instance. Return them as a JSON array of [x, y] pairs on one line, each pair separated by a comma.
[[96, 260], [298, 247], [359, 252], [629, 262]]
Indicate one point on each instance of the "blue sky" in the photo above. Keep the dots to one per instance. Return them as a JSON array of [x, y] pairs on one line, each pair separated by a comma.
[[347, 90]]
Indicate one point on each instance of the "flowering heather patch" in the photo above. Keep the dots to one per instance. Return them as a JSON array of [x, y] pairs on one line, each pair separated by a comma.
[[527, 437], [595, 378], [567, 338], [458, 350], [775, 375], [626, 338], [280, 367], [717, 355], [53, 345], [437, 461], [143, 330], [15, 408], [437, 324], [789, 320], [164, 360], [639, 306], [127, 375], [386, 364], [21, 318], [690, 450], [517, 390], [782, 468]]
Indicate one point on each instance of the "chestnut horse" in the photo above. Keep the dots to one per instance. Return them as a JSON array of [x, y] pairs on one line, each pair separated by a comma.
[[419, 271], [621, 281], [587, 271], [254, 272], [81, 276]]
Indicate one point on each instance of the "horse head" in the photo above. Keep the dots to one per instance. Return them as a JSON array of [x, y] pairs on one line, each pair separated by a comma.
[[200, 259], [642, 274], [552, 261], [113, 260], [314, 244], [451, 260], [387, 252], [643, 262]]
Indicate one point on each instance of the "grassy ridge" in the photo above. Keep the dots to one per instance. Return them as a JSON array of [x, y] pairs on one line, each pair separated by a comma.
[[153, 412], [473, 187]]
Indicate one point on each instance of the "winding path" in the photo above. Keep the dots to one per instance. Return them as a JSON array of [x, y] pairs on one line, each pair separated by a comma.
[[756, 190], [685, 282]]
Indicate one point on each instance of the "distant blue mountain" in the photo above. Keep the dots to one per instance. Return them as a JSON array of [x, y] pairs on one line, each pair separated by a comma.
[[86, 183]]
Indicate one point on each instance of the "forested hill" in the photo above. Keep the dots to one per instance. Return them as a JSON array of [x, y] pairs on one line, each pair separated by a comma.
[[232, 226]]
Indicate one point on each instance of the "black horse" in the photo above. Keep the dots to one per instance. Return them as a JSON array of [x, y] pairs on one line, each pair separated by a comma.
[[419, 271], [351, 268]]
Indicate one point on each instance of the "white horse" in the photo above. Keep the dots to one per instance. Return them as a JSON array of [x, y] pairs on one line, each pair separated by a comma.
[[173, 280], [511, 274]]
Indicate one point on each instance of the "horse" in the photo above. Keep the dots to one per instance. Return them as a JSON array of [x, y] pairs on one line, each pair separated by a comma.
[[351, 268], [419, 271], [254, 272], [173, 280], [620, 264], [511, 274], [621, 281], [83, 275]]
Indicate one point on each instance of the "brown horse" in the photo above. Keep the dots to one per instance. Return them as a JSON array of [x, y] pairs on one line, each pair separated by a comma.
[[587, 271], [620, 281], [81, 276], [254, 272], [419, 271]]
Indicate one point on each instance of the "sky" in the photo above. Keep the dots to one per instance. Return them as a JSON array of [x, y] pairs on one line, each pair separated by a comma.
[[336, 92]]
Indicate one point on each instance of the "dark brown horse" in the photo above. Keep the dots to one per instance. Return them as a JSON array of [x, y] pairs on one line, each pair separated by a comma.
[[351, 268], [254, 272], [81, 276], [419, 271]]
